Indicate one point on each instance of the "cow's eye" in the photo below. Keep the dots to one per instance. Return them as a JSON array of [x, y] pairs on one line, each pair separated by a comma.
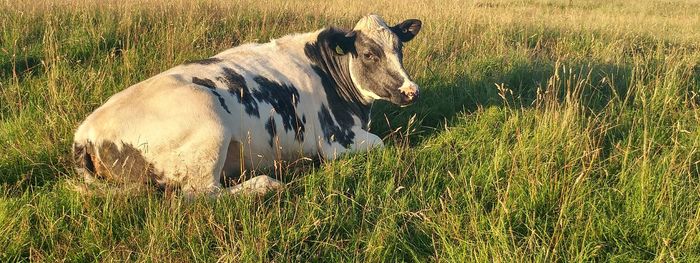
[[370, 57]]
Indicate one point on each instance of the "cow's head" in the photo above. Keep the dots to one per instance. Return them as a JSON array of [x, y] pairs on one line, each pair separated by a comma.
[[376, 59]]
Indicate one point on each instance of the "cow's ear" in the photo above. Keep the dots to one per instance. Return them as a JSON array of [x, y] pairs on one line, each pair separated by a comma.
[[343, 43], [408, 29]]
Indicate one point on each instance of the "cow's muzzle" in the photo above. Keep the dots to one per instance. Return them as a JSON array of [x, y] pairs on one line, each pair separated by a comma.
[[408, 94]]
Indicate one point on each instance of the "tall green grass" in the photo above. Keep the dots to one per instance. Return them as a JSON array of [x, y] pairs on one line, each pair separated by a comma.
[[548, 131]]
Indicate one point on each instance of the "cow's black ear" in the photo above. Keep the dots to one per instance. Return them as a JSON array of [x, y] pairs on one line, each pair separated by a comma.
[[408, 29], [343, 43]]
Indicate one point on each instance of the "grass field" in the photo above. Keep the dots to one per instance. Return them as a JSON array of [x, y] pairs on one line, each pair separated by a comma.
[[548, 131]]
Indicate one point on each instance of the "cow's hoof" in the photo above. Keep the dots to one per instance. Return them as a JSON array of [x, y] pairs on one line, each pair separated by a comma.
[[258, 185], [264, 184]]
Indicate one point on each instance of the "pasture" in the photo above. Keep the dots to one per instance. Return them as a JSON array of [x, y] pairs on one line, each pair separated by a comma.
[[548, 130]]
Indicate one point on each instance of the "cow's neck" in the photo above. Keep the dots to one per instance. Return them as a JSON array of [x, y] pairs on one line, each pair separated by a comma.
[[334, 71]]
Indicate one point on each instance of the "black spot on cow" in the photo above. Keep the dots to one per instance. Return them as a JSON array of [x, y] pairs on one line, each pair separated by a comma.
[[284, 99], [212, 87], [204, 82], [333, 132], [343, 109], [235, 83], [82, 158], [344, 99], [271, 128], [303, 118], [124, 164], [206, 61]]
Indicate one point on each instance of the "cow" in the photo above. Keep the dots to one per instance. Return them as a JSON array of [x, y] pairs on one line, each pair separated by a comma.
[[204, 123]]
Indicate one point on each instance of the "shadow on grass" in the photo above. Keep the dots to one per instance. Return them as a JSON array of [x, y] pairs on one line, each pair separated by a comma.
[[443, 99]]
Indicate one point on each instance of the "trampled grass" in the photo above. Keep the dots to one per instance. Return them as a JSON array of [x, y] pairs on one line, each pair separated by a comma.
[[548, 131]]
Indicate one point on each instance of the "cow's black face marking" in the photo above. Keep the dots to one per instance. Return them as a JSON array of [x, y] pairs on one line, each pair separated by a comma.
[[235, 83], [206, 61], [271, 128], [284, 99], [332, 132], [373, 70], [212, 87]]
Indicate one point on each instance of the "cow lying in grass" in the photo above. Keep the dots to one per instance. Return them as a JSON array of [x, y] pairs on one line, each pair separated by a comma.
[[203, 123]]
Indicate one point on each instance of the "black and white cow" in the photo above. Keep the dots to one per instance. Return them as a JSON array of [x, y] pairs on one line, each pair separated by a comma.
[[200, 124]]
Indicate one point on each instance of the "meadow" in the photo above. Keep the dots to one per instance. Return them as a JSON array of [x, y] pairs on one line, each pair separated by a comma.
[[548, 131]]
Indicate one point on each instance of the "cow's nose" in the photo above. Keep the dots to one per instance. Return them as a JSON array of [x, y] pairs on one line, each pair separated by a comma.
[[410, 91]]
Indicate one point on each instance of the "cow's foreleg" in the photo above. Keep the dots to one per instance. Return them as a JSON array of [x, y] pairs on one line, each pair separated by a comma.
[[258, 185], [261, 184], [364, 141]]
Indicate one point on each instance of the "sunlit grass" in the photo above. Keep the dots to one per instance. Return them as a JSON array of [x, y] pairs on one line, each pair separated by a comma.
[[548, 131]]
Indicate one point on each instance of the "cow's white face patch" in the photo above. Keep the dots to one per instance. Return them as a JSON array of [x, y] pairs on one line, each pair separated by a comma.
[[376, 64]]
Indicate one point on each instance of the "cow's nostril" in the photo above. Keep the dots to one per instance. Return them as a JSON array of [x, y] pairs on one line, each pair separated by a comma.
[[410, 91]]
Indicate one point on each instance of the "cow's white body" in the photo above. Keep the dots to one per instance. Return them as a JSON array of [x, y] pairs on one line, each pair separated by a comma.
[[190, 125]]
